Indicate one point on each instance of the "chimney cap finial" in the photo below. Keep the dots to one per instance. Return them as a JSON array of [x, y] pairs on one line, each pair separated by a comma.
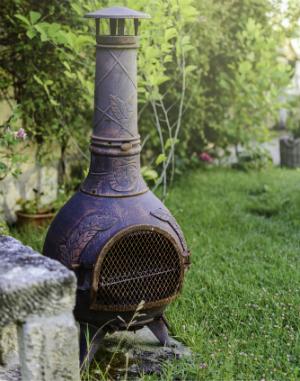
[[117, 13]]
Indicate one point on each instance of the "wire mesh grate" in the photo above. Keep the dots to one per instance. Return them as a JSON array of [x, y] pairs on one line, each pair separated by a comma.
[[141, 265]]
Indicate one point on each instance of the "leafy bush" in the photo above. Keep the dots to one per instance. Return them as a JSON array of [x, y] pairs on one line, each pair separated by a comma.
[[44, 66], [253, 158], [208, 73], [239, 75]]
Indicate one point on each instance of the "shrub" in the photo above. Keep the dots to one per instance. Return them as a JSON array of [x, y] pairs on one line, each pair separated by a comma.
[[208, 73]]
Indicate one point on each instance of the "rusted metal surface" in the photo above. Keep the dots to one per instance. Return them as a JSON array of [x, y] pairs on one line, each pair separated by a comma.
[[121, 241]]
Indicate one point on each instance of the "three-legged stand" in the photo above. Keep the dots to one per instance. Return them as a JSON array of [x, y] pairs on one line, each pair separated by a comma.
[[91, 338]]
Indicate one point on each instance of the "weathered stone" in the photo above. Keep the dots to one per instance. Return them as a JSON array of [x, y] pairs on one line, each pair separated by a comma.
[[8, 344], [145, 354], [10, 374], [38, 295], [49, 349], [31, 284]]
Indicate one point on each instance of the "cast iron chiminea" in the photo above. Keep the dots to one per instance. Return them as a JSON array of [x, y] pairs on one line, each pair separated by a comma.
[[121, 241]]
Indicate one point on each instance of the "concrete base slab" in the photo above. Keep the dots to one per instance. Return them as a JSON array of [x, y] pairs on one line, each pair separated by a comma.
[[135, 354]]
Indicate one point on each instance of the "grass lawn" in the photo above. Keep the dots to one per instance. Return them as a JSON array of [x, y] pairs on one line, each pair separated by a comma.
[[239, 310]]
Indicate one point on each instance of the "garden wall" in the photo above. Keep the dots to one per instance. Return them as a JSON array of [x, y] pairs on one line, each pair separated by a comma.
[[38, 333]]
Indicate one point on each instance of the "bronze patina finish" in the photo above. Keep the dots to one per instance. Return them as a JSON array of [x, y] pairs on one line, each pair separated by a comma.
[[122, 242]]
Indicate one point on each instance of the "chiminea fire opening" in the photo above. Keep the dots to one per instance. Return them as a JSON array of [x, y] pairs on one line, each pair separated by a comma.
[[123, 244], [139, 263]]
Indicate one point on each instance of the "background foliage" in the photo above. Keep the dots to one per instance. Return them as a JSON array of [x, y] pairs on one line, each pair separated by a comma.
[[209, 75]]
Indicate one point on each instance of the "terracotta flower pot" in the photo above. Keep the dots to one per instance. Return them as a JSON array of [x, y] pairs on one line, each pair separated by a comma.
[[38, 219]]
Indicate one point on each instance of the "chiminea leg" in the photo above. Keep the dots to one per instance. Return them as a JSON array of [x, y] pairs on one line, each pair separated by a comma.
[[88, 350], [160, 330]]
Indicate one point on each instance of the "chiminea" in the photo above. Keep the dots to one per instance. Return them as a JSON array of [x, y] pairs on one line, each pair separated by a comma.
[[121, 241]]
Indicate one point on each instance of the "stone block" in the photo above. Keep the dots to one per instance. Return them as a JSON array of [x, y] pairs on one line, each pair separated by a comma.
[[8, 344], [49, 349], [37, 294], [31, 284]]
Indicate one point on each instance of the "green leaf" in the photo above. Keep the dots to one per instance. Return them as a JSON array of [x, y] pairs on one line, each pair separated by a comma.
[[185, 40], [190, 68], [34, 16], [170, 142], [170, 33], [160, 159], [53, 102], [62, 37], [168, 58], [66, 65], [84, 40], [245, 67], [69, 74], [38, 80], [31, 33], [149, 174], [23, 19], [42, 30], [53, 30], [77, 9]]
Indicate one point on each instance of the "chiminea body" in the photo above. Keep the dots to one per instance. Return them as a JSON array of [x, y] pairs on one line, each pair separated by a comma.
[[122, 242]]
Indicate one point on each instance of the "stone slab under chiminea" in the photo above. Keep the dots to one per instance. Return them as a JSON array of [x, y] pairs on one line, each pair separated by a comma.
[[134, 354]]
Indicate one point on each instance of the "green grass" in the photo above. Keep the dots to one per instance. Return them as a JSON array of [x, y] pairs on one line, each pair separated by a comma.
[[239, 310], [30, 235]]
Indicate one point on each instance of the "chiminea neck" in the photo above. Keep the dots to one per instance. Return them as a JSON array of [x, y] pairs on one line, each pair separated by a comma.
[[115, 114], [115, 143]]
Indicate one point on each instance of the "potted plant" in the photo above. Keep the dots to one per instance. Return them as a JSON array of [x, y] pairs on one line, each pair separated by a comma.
[[290, 145], [37, 213]]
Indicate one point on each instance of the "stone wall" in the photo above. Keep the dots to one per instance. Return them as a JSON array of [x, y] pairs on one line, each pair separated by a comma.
[[38, 333]]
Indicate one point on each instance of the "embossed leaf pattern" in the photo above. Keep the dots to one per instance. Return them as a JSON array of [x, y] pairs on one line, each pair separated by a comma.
[[161, 214], [82, 234], [165, 216], [64, 255]]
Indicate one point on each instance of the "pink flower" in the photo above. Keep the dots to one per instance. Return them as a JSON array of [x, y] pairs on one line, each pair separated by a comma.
[[21, 134], [204, 156]]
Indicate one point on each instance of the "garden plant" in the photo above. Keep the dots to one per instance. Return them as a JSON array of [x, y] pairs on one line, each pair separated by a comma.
[[211, 75]]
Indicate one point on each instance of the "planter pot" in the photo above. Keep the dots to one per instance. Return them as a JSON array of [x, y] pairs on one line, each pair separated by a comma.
[[289, 152], [34, 219]]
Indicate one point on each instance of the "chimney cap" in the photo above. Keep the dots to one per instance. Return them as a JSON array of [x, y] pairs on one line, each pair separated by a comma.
[[117, 13]]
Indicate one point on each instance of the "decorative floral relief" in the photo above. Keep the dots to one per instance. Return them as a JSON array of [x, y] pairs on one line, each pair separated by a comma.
[[87, 229], [163, 215], [124, 176]]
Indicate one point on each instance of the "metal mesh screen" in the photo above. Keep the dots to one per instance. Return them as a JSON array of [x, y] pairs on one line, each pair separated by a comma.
[[141, 265]]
